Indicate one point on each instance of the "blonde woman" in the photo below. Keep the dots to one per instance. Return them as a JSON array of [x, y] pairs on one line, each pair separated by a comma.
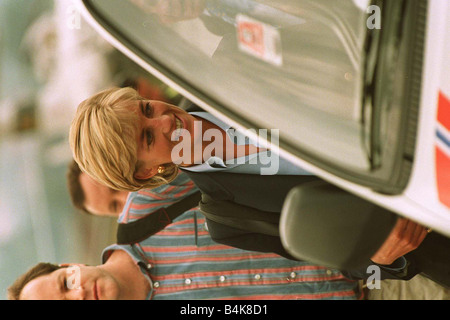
[[128, 143]]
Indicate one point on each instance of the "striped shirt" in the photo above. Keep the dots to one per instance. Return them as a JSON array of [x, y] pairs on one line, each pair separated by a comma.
[[183, 262], [146, 201]]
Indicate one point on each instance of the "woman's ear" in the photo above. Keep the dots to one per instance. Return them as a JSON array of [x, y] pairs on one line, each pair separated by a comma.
[[145, 173]]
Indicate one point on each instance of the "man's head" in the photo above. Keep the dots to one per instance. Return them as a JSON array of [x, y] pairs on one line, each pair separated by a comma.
[[92, 197], [118, 278], [41, 269], [103, 138], [47, 281]]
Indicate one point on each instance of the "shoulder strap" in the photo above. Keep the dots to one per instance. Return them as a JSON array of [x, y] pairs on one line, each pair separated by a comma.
[[262, 192], [141, 229], [239, 216]]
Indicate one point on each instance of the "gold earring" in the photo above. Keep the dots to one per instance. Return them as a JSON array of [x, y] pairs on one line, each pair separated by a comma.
[[161, 169]]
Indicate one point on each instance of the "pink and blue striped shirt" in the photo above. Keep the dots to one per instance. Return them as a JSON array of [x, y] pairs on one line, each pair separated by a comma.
[[183, 262]]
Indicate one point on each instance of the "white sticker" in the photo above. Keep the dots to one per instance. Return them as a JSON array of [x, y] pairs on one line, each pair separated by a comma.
[[259, 40]]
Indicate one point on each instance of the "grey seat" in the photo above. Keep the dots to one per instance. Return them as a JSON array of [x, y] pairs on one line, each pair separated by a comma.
[[323, 224]]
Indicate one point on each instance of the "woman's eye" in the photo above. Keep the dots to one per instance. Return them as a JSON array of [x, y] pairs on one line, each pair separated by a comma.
[[148, 110], [149, 137]]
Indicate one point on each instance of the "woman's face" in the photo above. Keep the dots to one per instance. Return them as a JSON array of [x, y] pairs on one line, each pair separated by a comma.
[[160, 125]]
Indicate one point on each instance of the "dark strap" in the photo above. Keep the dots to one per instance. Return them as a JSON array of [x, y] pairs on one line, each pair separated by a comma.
[[262, 192], [141, 229], [239, 216]]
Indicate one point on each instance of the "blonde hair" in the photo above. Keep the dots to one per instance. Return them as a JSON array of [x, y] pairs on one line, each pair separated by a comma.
[[103, 141]]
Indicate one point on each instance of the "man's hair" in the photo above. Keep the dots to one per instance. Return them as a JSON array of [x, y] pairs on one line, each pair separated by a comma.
[[41, 269], [103, 141]]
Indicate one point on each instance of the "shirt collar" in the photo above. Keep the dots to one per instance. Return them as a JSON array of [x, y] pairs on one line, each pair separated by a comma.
[[138, 258]]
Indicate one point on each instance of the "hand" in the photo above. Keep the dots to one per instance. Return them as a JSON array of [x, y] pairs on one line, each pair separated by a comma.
[[405, 237]]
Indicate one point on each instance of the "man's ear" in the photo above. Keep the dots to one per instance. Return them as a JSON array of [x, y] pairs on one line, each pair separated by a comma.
[[144, 174]]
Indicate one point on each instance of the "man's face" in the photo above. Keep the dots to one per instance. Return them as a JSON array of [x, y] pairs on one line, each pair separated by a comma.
[[93, 283], [102, 200]]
